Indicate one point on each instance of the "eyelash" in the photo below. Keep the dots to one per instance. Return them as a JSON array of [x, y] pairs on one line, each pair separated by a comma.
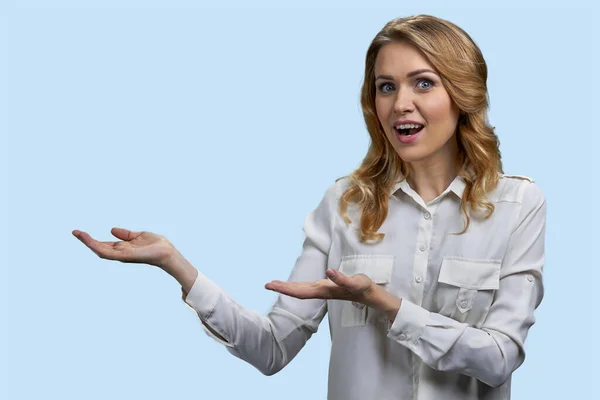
[[431, 84]]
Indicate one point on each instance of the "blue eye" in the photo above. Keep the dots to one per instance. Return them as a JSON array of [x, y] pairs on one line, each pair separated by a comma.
[[383, 85], [428, 84], [423, 80]]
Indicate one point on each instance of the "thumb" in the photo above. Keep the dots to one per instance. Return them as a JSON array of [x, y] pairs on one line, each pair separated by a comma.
[[338, 277], [124, 234]]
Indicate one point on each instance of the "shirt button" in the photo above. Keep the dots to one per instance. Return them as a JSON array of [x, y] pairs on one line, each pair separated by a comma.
[[402, 336], [426, 215], [423, 247], [530, 278], [463, 304], [418, 279]]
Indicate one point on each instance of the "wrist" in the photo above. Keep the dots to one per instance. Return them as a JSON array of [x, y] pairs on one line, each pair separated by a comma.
[[181, 269], [385, 302]]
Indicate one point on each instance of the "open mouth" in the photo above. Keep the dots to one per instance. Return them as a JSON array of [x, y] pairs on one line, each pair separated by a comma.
[[409, 129]]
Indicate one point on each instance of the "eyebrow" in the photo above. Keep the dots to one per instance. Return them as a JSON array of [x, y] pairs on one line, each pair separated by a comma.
[[410, 74]]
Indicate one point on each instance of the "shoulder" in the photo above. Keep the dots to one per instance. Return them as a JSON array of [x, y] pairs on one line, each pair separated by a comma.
[[516, 189], [334, 191], [517, 177], [343, 180], [341, 184]]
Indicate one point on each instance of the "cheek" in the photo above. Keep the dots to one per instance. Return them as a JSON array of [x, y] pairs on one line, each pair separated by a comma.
[[382, 113], [439, 109], [379, 108], [435, 110]]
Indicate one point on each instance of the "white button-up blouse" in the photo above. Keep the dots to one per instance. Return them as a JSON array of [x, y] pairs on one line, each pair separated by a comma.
[[468, 300]]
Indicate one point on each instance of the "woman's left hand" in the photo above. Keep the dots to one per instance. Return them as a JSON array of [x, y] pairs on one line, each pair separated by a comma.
[[357, 288]]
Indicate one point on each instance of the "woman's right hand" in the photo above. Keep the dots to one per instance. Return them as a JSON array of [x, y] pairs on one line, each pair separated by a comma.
[[136, 247]]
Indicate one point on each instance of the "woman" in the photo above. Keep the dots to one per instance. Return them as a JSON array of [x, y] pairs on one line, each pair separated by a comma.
[[427, 258]]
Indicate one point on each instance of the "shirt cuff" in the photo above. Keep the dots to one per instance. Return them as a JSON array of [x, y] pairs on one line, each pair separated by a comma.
[[409, 324], [203, 296]]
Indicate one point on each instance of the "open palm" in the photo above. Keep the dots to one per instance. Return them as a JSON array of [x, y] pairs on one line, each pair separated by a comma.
[[135, 247], [339, 286]]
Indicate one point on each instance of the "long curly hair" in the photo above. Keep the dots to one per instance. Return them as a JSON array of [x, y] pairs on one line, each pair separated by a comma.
[[463, 72]]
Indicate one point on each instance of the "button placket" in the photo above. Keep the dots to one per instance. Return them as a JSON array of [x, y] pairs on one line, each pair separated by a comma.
[[422, 252]]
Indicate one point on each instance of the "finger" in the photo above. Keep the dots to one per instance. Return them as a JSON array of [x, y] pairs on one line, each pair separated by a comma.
[[101, 249], [83, 237], [322, 289], [301, 290]]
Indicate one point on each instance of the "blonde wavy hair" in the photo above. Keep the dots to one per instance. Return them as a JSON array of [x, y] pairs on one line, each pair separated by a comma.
[[463, 72]]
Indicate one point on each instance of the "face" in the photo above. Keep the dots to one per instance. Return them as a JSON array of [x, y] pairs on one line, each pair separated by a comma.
[[405, 94]]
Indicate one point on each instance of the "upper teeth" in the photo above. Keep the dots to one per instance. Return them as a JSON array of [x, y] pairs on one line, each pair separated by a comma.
[[408, 126]]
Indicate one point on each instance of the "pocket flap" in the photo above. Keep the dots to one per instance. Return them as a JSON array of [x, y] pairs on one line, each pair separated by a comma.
[[470, 274], [377, 267]]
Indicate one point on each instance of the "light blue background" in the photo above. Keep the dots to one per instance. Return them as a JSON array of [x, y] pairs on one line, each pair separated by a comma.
[[221, 128]]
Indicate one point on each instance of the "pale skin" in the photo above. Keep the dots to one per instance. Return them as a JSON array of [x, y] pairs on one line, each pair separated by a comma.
[[422, 98], [401, 94]]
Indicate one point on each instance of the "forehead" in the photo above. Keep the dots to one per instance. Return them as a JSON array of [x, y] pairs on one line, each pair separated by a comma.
[[399, 59]]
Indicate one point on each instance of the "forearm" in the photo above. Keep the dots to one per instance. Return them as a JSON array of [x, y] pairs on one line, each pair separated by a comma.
[[490, 352], [266, 342], [182, 270], [451, 347]]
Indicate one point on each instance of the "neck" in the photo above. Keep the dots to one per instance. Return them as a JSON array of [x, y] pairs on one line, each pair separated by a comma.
[[430, 177]]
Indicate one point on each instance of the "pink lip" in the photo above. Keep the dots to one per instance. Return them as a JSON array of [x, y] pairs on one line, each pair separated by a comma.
[[408, 139]]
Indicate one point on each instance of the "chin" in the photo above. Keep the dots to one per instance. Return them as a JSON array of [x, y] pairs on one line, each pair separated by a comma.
[[414, 154]]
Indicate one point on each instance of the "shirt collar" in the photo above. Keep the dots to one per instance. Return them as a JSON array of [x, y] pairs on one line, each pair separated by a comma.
[[457, 186]]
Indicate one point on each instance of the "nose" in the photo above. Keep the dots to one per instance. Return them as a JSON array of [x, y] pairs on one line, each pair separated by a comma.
[[404, 102]]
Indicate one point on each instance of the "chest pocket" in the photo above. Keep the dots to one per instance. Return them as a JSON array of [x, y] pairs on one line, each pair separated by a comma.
[[466, 288], [379, 268]]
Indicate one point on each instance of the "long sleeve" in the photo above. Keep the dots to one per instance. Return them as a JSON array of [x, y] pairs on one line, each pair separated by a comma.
[[270, 342], [493, 351]]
